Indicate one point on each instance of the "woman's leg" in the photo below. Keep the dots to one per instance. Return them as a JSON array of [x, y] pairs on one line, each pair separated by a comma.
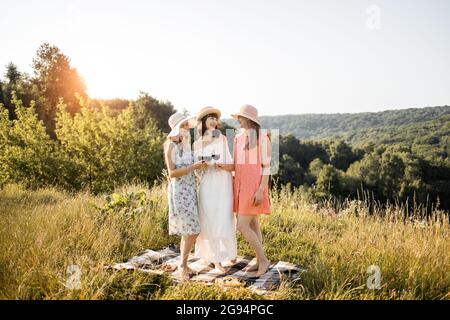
[[254, 224], [220, 267], [251, 237], [186, 245]]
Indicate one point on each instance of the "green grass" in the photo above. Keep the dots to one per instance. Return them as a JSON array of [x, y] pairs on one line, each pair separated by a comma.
[[44, 231]]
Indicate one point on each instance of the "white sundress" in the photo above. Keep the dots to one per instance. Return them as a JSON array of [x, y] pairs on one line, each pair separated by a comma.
[[217, 239]]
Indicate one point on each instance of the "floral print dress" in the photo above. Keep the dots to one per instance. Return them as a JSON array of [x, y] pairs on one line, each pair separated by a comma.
[[182, 196]]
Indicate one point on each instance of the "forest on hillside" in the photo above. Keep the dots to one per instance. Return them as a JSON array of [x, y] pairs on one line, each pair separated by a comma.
[[319, 126], [53, 134]]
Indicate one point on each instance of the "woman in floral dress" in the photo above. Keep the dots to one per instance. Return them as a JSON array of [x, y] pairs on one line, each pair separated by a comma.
[[182, 196]]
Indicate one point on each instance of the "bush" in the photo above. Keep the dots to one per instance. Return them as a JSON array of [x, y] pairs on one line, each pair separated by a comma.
[[92, 149]]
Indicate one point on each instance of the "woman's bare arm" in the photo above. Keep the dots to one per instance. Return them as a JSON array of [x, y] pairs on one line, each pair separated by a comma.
[[173, 171], [266, 156], [266, 152], [229, 165]]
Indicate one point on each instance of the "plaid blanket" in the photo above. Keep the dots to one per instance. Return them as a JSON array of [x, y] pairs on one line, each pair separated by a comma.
[[165, 262]]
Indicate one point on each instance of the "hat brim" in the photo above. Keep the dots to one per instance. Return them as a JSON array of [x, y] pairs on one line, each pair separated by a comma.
[[205, 112], [236, 115], [176, 130]]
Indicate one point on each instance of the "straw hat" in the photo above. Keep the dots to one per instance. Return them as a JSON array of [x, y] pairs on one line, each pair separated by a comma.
[[249, 112], [175, 122], [207, 110]]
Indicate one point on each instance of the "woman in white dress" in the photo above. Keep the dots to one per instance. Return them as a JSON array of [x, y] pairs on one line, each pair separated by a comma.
[[216, 242]]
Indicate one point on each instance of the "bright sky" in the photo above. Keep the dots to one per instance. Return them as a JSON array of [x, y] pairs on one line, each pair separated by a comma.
[[278, 55]]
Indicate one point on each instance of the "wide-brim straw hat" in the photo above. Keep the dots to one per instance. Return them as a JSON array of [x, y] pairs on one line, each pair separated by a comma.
[[249, 112], [176, 120], [207, 110]]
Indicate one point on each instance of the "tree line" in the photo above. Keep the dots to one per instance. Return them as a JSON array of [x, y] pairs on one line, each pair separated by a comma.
[[385, 173]]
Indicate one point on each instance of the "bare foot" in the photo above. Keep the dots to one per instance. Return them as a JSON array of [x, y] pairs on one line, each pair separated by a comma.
[[184, 274], [220, 267], [191, 272], [263, 267], [251, 268]]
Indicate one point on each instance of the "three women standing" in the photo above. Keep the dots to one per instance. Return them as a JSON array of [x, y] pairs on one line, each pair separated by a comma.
[[212, 224]]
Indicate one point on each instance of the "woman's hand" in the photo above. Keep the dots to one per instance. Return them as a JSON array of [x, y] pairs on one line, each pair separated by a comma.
[[224, 166], [218, 166], [199, 165], [257, 199]]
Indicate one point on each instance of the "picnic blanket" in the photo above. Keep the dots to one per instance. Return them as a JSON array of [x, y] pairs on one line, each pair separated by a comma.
[[165, 262]]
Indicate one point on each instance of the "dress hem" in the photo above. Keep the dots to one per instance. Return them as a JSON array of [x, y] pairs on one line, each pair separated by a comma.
[[252, 214]]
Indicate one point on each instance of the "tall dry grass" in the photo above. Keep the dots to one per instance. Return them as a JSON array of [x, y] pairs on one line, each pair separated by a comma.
[[43, 232]]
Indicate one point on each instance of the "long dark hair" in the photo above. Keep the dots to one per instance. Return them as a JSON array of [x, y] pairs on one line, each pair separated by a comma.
[[203, 120], [254, 130], [253, 140]]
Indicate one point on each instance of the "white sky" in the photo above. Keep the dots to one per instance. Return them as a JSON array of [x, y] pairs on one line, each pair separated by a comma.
[[281, 56]]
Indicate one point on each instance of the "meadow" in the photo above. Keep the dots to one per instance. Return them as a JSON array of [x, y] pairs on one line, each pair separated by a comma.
[[43, 231]]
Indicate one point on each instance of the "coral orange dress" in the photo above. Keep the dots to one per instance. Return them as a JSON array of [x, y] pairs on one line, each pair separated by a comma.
[[250, 165]]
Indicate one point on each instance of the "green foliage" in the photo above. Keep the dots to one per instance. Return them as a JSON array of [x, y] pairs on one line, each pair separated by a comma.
[[23, 88], [93, 149], [290, 170], [429, 139], [126, 209], [303, 152], [341, 155], [53, 78], [29, 156], [4, 140], [104, 151], [388, 173], [327, 181], [115, 106], [324, 126], [147, 108], [128, 205], [56, 78]]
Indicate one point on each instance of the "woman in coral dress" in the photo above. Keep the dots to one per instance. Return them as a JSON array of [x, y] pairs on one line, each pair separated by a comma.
[[252, 155]]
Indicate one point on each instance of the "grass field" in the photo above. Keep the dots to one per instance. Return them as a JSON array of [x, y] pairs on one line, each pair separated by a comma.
[[44, 231]]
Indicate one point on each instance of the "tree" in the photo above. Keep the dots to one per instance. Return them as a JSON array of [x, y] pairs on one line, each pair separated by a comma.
[[367, 169], [328, 181], [290, 171], [19, 83], [55, 79], [341, 155], [146, 107], [12, 73], [391, 173]]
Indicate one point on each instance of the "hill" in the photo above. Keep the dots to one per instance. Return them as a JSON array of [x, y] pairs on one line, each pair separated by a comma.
[[321, 126]]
